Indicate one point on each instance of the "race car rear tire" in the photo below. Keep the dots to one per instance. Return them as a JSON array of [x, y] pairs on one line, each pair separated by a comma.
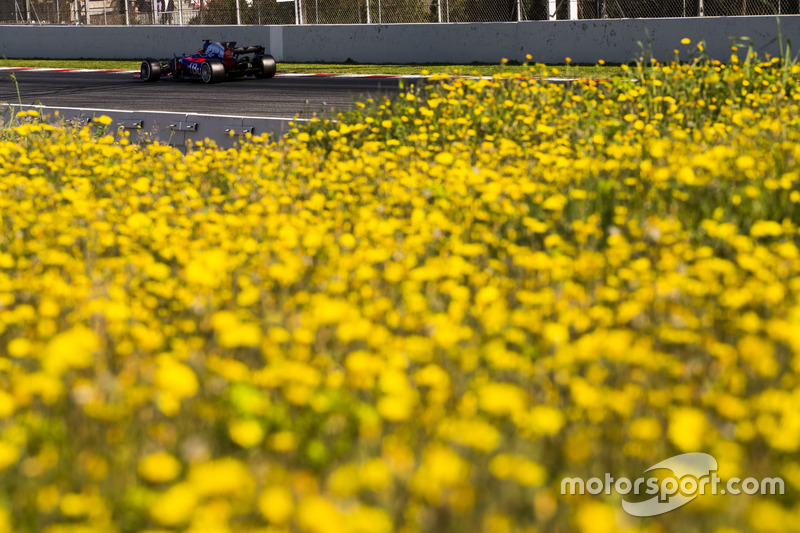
[[212, 71], [265, 67], [150, 70]]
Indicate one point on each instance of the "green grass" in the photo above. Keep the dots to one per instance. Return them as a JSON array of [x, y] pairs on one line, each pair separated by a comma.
[[577, 71]]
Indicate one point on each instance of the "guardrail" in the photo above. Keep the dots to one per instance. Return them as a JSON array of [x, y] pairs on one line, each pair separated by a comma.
[[172, 128], [585, 41]]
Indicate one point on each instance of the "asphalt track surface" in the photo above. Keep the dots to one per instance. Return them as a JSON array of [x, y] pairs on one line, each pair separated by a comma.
[[281, 96]]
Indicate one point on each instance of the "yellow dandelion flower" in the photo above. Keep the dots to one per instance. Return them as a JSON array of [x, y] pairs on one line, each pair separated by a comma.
[[19, 347], [175, 506], [9, 454], [159, 467], [502, 398], [246, 433], [276, 505], [176, 378], [687, 426]]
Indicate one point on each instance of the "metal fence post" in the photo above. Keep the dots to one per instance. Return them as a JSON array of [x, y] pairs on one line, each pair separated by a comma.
[[552, 10], [573, 9], [439, 11], [127, 13], [519, 10], [238, 14], [700, 10], [369, 16], [28, 11]]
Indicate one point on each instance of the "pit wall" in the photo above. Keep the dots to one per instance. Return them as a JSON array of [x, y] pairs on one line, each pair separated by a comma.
[[584, 41]]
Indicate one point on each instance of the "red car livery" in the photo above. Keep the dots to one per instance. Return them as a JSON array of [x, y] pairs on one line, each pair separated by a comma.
[[216, 61]]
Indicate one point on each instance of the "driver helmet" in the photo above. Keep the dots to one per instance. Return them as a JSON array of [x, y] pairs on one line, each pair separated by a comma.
[[214, 50]]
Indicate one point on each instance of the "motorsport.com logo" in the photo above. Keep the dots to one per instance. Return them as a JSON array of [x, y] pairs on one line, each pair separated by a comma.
[[693, 474]]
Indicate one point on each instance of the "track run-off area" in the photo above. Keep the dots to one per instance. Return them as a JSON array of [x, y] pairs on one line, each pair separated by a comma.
[[285, 95]]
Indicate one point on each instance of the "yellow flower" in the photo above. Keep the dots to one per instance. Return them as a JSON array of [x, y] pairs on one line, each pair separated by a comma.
[[5, 521], [546, 420], [240, 334], [502, 399], [276, 505], [345, 481], [444, 158], [7, 404], [375, 475], [222, 477], [645, 428], [765, 228], [475, 433], [9, 454], [555, 203], [176, 378], [19, 347], [49, 308], [441, 468], [329, 310], [525, 472], [283, 441], [102, 119], [159, 467], [745, 162], [596, 517], [317, 515], [366, 519], [246, 433], [138, 221], [347, 241], [687, 426], [175, 506], [396, 407], [73, 348]]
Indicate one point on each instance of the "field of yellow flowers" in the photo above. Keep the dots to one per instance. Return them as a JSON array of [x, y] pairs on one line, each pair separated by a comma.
[[418, 317]]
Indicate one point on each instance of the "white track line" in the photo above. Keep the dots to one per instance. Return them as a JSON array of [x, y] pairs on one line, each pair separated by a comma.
[[43, 69]]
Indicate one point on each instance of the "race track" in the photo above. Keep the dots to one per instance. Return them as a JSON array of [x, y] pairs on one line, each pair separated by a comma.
[[282, 96]]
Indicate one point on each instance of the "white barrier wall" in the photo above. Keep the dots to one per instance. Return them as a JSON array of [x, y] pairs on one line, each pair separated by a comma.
[[585, 41]]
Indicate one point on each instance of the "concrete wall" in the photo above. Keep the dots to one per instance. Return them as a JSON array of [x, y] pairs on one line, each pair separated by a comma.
[[585, 41]]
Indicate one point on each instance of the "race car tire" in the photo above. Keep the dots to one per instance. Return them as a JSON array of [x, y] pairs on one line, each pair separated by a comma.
[[265, 67], [212, 71], [150, 70]]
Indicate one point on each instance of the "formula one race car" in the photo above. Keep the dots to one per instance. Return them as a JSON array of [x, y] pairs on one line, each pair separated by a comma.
[[213, 63]]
